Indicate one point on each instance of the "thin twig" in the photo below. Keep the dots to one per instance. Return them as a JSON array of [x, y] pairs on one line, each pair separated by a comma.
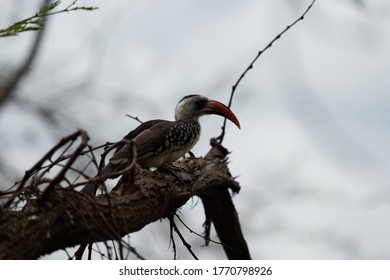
[[185, 243], [171, 239], [220, 137], [38, 166], [126, 244], [131, 147], [134, 118], [197, 234], [56, 180], [38, 20]]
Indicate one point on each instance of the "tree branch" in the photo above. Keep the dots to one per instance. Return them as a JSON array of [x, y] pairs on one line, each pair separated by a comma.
[[277, 37], [220, 210], [68, 218]]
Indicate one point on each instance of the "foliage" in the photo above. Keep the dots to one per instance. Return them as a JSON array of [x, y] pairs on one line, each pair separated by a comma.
[[37, 21]]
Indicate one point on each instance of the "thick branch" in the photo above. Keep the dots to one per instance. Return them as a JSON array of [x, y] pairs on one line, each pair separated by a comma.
[[68, 217], [220, 210]]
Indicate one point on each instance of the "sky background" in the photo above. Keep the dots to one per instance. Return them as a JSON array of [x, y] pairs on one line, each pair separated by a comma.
[[312, 156]]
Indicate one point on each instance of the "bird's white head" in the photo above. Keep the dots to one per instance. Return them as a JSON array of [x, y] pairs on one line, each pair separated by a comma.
[[191, 107]]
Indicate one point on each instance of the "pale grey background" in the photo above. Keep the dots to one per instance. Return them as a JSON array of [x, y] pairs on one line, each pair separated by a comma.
[[313, 153]]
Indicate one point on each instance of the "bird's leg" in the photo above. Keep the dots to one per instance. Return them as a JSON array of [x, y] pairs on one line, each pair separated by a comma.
[[171, 170]]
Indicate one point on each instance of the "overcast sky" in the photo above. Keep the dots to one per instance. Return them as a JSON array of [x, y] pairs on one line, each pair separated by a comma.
[[313, 153]]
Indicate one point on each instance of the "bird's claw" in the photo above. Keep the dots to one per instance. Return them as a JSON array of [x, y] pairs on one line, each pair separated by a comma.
[[172, 170]]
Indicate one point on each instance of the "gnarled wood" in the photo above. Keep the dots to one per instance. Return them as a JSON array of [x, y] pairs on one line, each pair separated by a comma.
[[68, 218]]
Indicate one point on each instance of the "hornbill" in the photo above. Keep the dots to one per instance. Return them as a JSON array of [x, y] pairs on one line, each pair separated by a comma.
[[160, 142]]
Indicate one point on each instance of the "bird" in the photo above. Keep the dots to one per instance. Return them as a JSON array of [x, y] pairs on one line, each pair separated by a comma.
[[162, 142]]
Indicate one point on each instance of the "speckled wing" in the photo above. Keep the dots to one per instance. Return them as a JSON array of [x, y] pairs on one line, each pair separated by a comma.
[[159, 142], [122, 155]]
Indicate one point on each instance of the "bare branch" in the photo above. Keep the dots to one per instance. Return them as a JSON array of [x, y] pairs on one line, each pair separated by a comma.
[[220, 137], [197, 234], [66, 217], [134, 118], [220, 210], [185, 243], [40, 164]]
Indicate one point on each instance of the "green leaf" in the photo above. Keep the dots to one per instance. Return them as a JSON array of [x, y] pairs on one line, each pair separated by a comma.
[[49, 7], [37, 21]]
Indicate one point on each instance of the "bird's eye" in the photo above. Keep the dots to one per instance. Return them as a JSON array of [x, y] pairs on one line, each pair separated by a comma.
[[200, 103]]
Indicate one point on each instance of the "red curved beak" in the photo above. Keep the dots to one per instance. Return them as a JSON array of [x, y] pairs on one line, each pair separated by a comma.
[[217, 108]]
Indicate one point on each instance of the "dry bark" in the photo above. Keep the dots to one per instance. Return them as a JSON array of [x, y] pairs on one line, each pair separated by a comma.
[[67, 217]]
